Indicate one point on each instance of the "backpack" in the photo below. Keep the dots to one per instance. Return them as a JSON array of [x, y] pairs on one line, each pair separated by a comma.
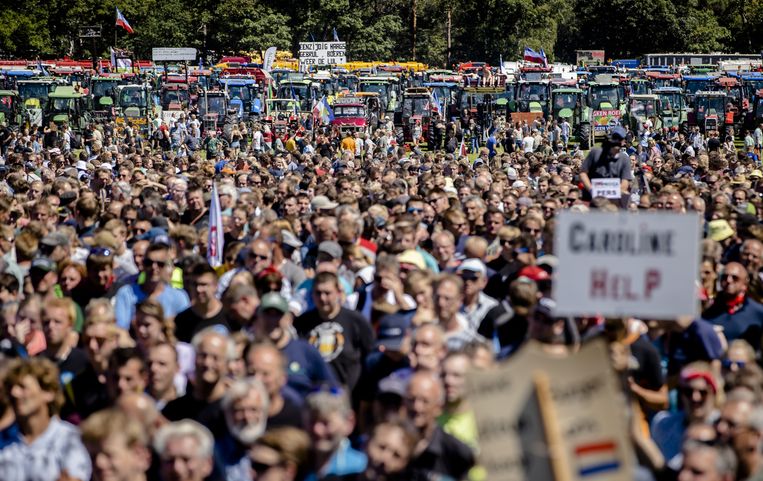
[[75, 142]]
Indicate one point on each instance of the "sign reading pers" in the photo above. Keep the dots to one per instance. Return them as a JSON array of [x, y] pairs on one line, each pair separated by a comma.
[[623, 264], [321, 53], [173, 54]]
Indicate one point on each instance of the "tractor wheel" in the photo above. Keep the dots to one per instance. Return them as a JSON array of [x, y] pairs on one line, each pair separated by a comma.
[[584, 136], [400, 135], [684, 128]]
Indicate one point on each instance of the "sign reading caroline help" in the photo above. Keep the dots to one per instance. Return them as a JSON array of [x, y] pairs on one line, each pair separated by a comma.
[[626, 264], [578, 431], [321, 53]]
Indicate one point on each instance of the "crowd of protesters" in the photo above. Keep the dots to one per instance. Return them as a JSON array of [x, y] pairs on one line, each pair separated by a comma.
[[360, 282]]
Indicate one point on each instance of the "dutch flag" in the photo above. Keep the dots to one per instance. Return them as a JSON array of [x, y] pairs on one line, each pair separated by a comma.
[[531, 55], [597, 457], [122, 22]]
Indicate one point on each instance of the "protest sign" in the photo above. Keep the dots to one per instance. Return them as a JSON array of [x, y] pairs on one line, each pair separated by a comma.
[[582, 420], [605, 120], [607, 188], [173, 54], [321, 53], [627, 264]]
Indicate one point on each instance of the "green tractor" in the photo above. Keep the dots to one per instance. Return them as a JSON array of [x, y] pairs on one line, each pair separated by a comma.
[[605, 107], [569, 104], [673, 108], [34, 96], [642, 108], [10, 108], [67, 105], [533, 96], [103, 96]]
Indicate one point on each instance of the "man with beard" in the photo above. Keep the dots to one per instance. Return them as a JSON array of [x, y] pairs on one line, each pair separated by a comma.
[[245, 406]]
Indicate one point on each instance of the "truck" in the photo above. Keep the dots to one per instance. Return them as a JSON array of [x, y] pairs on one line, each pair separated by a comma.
[[349, 115]]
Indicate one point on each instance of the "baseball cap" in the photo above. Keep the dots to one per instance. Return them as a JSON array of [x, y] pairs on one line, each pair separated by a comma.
[[330, 248], [396, 383], [43, 264], [152, 234], [518, 184], [392, 330], [321, 202], [511, 172], [474, 266], [617, 134], [274, 300], [290, 239], [534, 273], [55, 239]]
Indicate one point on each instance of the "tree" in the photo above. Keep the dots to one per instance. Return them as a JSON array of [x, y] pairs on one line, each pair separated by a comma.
[[245, 25]]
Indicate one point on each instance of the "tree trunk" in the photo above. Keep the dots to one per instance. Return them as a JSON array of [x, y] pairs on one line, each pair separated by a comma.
[[450, 15]]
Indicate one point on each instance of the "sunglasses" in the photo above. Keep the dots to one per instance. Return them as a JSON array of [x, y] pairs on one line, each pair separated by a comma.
[[101, 251], [728, 364], [413, 210], [151, 262], [259, 257]]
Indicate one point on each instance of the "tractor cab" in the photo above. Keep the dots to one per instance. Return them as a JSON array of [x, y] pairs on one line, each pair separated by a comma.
[[281, 114], [417, 107], [66, 105], [757, 110], [710, 110], [388, 94], [134, 104], [10, 108], [734, 90], [604, 96], [349, 115], [672, 109], [639, 86], [34, 96], [566, 103], [303, 91], [642, 108], [694, 83], [241, 94], [533, 96], [213, 108]]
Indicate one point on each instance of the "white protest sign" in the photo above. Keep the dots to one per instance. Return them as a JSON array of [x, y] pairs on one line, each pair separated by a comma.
[[583, 420], [627, 264], [173, 54], [607, 188], [321, 53]]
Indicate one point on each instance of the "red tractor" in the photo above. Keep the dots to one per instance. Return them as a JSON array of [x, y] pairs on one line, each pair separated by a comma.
[[416, 115]]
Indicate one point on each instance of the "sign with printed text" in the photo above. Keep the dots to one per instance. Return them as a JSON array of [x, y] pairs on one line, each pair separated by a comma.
[[91, 31], [173, 54], [627, 264], [584, 412], [607, 188], [321, 53], [604, 120]]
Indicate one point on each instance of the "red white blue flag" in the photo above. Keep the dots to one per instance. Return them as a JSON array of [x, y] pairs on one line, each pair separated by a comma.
[[122, 22], [531, 55], [215, 239]]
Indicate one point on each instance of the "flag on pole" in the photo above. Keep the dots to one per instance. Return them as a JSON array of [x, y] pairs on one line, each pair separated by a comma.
[[122, 22], [501, 68], [531, 55], [436, 101], [462, 151], [545, 59], [41, 68], [215, 240], [336, 36]]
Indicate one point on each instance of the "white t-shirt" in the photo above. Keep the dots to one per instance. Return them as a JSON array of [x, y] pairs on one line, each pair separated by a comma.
[[528, 144]]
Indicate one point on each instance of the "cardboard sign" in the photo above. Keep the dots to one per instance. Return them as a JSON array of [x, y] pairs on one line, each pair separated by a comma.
[[607, 188], [627, 264], [582, 421]]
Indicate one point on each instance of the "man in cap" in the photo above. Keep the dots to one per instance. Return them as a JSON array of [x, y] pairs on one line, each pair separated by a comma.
[[477, 306], [306, 368], [55, 246], [608, 162]]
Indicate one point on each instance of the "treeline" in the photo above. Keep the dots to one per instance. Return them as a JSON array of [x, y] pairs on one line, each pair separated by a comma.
[[431, 31]]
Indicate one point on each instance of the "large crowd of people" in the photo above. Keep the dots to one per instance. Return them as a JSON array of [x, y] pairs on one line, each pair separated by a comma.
[[360, 281]]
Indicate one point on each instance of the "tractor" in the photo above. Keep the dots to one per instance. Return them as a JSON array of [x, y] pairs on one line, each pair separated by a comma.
[[10, 109], [695, 83], [102, 96], [417, 108], [134, 105], [569, 104], [672, 110], [533, 96], [710, 111], [213, 109], [67, 105], [642, 108], [34, 95], [604, 104]]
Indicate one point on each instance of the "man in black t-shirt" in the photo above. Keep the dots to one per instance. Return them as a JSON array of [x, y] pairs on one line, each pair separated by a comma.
[[268, 364], [343, 337], [206, 310], [607, 162]]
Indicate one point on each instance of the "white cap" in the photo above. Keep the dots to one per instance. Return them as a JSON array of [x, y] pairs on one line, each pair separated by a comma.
[[512, 173], [518, 185], [472, 265]]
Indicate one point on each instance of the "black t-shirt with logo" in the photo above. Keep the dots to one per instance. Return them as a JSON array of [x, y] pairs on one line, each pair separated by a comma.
[[343, 342]]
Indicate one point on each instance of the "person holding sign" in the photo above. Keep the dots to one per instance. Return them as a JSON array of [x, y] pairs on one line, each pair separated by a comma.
[[607, 162]]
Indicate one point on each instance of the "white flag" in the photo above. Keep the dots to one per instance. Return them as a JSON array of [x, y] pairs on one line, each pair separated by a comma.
[[215, 240], [270, 56]]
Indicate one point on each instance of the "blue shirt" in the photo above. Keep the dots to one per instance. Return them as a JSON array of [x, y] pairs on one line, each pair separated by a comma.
[[305, 367], [745, 323], [173, 301], [345, 460]]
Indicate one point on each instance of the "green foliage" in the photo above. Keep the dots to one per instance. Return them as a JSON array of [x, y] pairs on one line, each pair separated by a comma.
[[383, 30]]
